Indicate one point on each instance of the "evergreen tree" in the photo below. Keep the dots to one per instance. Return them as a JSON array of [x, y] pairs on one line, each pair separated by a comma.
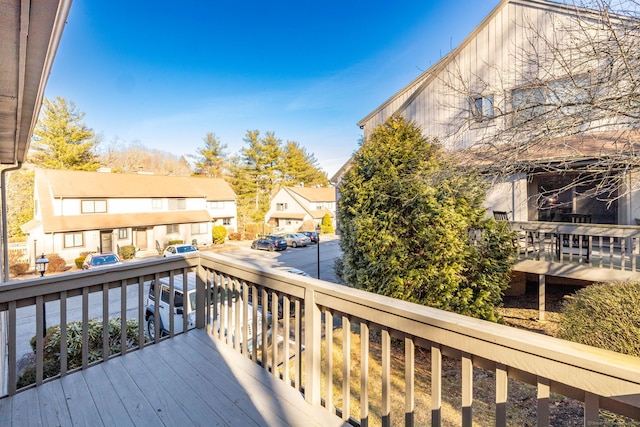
[[19, 201], [211, 158], [300, 167], [406, 214], [61, 140]]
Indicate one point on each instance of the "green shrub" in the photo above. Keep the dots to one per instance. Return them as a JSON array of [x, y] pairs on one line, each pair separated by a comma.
[[57, 264], [326, 227], [127, 252], [218, 234], [604, 315], [175, 242], [51, 356], [79, 261]]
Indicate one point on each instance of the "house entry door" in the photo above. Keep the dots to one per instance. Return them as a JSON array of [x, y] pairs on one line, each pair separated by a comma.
[[106, 242], [141, 239]]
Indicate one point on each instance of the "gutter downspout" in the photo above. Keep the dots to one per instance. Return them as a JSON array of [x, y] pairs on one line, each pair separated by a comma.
[[5, 236]]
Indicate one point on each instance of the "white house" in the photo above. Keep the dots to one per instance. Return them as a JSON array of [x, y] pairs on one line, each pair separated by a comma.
[[523, 91], [292, 207], [99, 212]]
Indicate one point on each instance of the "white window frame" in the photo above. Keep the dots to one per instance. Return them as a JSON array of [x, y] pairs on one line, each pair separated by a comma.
[[71, 239], [199, 228], [482, 107], [173, 228], [91, 206]]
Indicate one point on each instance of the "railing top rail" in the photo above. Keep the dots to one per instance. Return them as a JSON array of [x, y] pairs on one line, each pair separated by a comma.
[[596, 230]]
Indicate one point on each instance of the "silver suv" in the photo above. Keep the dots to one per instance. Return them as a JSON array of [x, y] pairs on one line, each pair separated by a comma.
[[179, 308]]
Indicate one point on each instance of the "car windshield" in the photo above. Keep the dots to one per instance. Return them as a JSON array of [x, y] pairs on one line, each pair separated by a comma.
[[107, 259], [183, 249]]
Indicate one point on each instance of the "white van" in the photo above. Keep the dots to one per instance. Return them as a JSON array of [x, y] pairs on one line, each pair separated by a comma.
[[179, 308]]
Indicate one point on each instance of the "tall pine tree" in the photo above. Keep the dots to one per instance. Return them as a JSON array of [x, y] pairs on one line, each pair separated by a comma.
[[61, 140]]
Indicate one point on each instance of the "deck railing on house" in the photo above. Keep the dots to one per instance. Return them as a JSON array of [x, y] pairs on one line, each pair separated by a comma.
[[613, 247], [320, 337]]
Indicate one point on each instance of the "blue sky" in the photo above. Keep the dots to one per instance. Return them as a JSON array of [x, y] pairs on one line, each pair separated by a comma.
[[165, 73]]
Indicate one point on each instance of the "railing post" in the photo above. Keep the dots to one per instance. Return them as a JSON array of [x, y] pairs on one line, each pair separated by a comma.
[[200, 298], [312, 337]]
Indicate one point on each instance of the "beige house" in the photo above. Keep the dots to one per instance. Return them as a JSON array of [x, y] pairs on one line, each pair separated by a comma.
[[515, 94], [292, 207], [99, 212]]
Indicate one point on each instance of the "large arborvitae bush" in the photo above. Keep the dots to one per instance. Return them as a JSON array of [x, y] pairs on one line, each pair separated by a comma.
[[406, 216], [604, 315]]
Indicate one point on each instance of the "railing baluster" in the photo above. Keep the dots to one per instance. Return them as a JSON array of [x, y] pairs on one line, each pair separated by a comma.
[[467, 390], [12, 341], [346, 368], [502, 381], [298, 344], [105, 322], [386, 378], [264, 355], [123, 317], [254, 326], [275, 316], [141, 313], [244, 286], [286, 334], [328, 343], [436, 385], [600, 246], [591, 409], [364, 374], [63, 333], [409, 381], [85, 327], [543, 413], [40, 332]]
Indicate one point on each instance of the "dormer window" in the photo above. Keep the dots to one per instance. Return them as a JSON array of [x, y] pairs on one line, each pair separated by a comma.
[[482, 107]]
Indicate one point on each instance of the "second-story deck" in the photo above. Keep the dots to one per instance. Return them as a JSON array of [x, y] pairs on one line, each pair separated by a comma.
[[321, 353]]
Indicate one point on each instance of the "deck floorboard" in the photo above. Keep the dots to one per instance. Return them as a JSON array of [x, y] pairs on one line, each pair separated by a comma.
[[188, 380]]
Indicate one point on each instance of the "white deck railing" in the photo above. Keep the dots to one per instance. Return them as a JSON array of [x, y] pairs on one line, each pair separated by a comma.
[[304, 322]]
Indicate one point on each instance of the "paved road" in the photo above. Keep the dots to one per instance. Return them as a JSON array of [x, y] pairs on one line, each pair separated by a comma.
[[305, 259]]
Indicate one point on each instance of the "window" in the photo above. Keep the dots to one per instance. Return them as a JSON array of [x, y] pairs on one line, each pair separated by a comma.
[[199, 228], [93, 206], [73, 240], [177, 204], [482, 108], [226, 221], [216, 205], [156, 203], [173, 229], [122, 233], [281, 206], [564, 97]]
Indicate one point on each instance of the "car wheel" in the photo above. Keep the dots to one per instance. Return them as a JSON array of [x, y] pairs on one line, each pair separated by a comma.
[[271, 248], [254, 246], [151, 327], [294, 245]]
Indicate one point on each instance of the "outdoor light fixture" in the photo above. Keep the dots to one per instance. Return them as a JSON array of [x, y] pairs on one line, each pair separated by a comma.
[[41, 265]]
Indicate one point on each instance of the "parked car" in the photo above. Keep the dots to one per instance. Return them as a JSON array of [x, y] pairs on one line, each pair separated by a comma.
[[270, 242], [312, 235], [179, 249], [100, 260], [292, 270], [295, 239], [179, 308]]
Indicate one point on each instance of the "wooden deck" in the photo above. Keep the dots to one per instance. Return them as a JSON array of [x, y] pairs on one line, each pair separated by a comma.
[[162, 384]]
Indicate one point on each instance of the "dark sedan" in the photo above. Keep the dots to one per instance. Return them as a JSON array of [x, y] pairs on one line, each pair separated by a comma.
[[311, 235], [270, 242]]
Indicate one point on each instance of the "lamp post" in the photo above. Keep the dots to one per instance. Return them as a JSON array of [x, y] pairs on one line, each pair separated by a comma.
[[318, 245], [41, 267]]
